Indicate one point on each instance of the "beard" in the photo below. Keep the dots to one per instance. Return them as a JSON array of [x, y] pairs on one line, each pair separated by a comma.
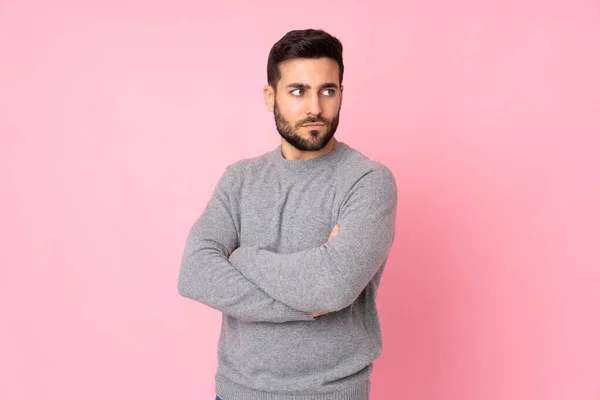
[[314, 142]]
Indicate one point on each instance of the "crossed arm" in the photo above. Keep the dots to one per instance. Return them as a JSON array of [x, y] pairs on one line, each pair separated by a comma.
[[254, 284]]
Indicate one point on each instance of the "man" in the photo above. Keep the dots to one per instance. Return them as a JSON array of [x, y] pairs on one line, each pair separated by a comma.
[[292, 245]]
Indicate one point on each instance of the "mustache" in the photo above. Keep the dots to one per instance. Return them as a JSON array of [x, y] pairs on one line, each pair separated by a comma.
[[312, 121]]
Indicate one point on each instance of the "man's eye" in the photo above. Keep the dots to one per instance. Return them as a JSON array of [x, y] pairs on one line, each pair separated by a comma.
[[328, 92], [297, 92]]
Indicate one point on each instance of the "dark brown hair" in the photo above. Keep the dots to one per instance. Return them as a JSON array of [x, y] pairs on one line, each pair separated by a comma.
[[307, 43]]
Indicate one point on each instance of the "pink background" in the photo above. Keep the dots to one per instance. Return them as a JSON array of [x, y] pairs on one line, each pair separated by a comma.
[[117, 118]]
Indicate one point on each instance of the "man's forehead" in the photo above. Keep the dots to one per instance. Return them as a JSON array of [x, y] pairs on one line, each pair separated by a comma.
[[310, 71]]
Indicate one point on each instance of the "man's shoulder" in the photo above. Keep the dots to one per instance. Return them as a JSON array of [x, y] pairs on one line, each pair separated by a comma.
[[356, 164], [362, 176], [250, 164]]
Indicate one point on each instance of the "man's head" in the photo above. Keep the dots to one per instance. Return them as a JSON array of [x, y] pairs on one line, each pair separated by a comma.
[[304, 91]]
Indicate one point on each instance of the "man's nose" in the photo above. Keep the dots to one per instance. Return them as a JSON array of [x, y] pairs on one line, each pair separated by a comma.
[[313, 105]]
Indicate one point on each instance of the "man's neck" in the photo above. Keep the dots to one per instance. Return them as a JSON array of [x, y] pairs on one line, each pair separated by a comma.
[[289, 152]]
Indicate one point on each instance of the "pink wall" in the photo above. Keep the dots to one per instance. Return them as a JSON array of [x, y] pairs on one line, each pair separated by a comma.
[[117, 120]]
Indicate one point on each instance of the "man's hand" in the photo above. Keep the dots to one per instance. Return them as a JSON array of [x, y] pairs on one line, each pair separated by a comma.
[[334, 232]]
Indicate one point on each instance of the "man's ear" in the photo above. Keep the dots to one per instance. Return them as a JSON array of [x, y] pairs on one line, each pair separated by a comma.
[[341, 95], [269, 94]]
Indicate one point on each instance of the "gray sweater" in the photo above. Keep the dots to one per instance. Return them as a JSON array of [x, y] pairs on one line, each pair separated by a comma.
[[273, 217]]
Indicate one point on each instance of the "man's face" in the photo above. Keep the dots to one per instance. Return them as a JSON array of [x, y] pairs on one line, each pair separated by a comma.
[[307, 102]]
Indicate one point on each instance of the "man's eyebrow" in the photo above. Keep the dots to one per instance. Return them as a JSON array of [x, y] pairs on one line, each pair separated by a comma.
[[329, 85], [296, 85]]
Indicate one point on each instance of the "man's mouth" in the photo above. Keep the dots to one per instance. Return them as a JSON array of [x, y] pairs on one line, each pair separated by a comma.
[[312, 125]]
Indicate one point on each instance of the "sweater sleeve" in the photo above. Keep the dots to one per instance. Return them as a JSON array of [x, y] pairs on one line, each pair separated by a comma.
[[206, 275], [330, 277]]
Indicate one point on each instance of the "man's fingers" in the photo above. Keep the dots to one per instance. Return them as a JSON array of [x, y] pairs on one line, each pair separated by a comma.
[[335, 231]]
